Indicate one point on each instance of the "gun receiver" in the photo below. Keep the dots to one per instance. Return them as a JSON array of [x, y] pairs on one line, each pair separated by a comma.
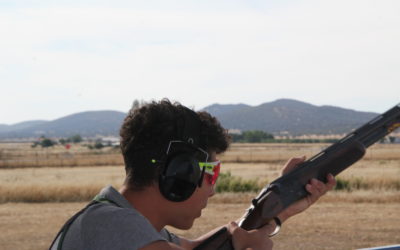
[[287, 189]]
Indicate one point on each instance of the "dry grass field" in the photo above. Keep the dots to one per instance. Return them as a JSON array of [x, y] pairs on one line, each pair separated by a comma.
[[22, 155], [36, 199], [327, 225], [14, 155]]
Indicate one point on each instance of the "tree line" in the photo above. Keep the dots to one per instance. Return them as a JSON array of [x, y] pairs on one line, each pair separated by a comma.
[[45, 142], [249, 136], [259, 136]]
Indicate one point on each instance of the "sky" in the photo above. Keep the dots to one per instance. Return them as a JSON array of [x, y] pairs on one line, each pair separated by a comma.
[[62, 57]]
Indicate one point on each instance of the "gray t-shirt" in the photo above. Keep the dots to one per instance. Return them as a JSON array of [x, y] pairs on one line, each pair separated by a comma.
[[112, 226]]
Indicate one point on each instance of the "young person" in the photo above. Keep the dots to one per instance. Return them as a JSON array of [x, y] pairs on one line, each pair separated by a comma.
[[170, 154]]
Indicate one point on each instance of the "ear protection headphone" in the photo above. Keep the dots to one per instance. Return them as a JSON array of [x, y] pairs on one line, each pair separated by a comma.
[[181, 172]]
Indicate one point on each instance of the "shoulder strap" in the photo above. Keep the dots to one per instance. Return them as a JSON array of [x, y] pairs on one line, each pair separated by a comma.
[[63, 231]]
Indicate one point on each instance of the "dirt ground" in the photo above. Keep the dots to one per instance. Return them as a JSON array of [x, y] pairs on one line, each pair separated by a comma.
[[326, 225]]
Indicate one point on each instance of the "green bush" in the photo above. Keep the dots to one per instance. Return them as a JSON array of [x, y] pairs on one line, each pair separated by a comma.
[[342, 184], [44, 142], [98, 145], [228, 183], [252, 136], [350, 185]]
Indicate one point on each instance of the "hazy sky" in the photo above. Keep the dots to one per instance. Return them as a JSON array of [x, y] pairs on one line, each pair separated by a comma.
[[61, 57]]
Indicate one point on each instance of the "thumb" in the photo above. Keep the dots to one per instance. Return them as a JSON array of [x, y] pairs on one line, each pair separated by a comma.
[[292, 163]]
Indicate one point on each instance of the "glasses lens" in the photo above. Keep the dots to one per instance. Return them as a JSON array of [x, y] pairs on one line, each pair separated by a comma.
[[211, 171], [216, 173]]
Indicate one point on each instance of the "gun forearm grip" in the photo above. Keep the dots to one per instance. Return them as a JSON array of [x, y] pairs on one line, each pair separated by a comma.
[[290, 187]]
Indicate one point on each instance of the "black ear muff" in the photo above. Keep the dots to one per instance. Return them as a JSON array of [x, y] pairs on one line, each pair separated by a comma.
[[180, 177], [181, 173]]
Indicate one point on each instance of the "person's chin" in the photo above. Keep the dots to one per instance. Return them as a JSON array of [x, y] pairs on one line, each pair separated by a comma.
[[187, 223], [185, 226]]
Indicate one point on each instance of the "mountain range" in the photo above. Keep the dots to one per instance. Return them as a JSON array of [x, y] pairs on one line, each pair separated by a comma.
[[287, 116], [86, 124], [283, 116]]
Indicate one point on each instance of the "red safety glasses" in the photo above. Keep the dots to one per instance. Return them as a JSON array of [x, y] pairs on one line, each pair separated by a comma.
[[211, 171]]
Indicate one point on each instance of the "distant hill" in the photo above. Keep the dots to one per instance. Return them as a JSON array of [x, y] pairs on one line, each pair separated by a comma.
[[218, 110], [289, 116], [21, 125], [278, 117], [87, 124]]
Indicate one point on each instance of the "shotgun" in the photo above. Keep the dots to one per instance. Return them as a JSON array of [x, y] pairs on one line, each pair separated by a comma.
[[289, 188]]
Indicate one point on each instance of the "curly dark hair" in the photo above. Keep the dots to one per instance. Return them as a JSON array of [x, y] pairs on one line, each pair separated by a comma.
[[147, 131]]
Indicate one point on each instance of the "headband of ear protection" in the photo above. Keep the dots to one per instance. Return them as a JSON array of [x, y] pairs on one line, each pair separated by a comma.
[[181, 173]]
